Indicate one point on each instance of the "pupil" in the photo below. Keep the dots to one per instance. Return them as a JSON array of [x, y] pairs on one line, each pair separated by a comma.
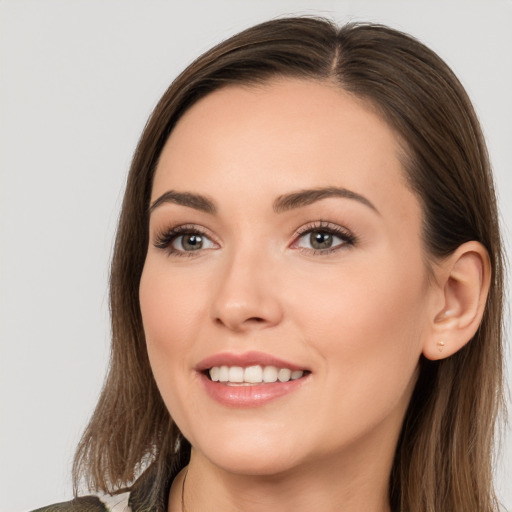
[[192, 242], [320, 240]]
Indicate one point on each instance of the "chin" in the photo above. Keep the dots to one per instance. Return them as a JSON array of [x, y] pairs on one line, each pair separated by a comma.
[[249, 464], [258, 454]]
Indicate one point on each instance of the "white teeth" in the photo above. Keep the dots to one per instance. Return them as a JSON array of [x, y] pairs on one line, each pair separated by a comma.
[[214, 373], [224, 374], [269, 374], [253, 374], [284, 375], [236, 374]]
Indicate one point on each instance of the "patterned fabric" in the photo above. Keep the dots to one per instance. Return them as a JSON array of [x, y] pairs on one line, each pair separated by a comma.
[[82, 504], [148, 494], [115, 503]]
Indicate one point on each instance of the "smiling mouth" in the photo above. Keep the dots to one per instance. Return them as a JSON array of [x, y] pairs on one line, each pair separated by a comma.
[[252, 375]]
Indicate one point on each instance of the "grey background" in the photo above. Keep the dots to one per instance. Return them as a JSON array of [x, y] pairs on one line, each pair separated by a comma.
[[78, 79]]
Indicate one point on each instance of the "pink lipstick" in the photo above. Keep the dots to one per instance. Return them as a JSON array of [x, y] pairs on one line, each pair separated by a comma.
[[249, 379]]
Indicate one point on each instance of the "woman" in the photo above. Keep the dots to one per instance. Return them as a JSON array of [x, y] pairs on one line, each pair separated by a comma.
[[306, 288]]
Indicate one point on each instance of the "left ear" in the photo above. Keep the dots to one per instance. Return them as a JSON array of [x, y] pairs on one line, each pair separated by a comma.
[[463, 278]]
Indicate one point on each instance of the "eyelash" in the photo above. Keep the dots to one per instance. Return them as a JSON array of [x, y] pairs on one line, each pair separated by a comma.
[[165, 239], [328, 228]]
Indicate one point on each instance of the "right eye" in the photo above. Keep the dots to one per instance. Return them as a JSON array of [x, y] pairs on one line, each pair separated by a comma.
[[183, 241], [191, 242]]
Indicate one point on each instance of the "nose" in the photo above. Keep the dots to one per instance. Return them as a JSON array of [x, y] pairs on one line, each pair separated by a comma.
[[247, 293]]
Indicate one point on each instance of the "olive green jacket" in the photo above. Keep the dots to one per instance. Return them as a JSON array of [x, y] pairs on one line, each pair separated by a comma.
[[147, 494]]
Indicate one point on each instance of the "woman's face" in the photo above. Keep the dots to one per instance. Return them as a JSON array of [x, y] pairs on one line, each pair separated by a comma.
[[284, 239]]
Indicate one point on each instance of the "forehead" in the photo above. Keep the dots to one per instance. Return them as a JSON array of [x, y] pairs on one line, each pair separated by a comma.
[[287, 133]]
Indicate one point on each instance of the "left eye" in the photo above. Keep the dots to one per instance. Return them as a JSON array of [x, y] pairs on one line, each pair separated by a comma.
[[320, 240]]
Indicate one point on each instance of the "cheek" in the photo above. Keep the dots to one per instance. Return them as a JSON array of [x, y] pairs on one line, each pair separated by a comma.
[[367, 325], [170, 303], [170, 309], [347, 302]]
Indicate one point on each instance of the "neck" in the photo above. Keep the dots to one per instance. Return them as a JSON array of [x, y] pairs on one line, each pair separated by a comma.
[[337, 483]]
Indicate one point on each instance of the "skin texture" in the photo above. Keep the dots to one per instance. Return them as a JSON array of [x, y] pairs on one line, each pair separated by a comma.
[[357, 317]]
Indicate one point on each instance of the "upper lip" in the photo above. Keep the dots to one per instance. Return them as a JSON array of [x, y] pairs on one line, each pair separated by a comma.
[[245, 359]]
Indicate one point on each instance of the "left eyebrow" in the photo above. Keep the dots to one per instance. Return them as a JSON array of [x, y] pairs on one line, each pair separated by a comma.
[[306, 197]]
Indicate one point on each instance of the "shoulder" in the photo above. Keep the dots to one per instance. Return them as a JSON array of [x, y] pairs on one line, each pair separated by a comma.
[[115, 503], [149, 492]]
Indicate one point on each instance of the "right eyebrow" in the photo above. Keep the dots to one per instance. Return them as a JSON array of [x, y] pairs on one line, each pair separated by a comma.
[[196, 201]]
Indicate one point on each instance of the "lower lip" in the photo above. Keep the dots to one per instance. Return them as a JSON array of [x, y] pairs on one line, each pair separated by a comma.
[[249, 396]]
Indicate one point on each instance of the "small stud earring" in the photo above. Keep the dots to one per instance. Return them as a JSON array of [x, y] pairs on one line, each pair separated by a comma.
[[440, 345]]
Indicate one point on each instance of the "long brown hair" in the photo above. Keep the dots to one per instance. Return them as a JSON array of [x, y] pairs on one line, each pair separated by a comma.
[[443, 460]]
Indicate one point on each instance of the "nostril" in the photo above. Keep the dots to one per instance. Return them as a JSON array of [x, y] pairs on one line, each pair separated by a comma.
[[252, 319]]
